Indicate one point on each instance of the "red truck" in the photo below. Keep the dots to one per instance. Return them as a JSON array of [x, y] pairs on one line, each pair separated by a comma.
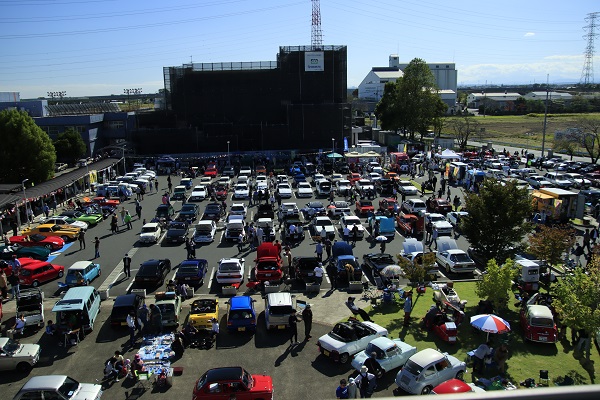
[[410, 225]]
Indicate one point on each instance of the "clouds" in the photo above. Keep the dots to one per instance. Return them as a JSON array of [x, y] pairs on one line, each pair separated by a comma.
[[529, 34]]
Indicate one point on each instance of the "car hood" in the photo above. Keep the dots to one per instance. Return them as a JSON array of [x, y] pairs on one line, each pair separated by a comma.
[[28, 350], [88, 391], [407, 351], [442, 224], [147, 235]]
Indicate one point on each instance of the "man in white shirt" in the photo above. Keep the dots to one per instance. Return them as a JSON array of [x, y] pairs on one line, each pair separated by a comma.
[[214, 330], [131, 325], [318, 271]]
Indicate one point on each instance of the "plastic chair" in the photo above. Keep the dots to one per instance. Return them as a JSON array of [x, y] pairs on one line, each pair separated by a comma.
[[544, 377], [143, 379]]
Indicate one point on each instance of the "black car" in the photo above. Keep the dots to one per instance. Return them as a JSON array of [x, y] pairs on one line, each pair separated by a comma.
[[318, 208], [122, 306], [378, 261], [264, 211], [153, 272], [188, 213], [228, 171], [191, 272], [303, 268], [177, 232], [213, 211], [165, 211]]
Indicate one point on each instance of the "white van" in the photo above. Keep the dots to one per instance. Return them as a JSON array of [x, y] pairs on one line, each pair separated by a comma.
[[278, 308]]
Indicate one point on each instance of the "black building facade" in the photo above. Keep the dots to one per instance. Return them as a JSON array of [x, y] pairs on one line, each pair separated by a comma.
[[296, 102]]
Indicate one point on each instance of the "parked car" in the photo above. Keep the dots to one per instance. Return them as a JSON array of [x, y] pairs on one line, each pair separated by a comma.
[[413, 206], [202, 311], [350, 221], [439, 205], [213, 211], [35, 272], [320, 223], [337, 209], [150, 233], [537, 181], [191, 272], [349, 338], [278, 309], [453, 259], [241, 191], [292, 229], [378, 261], [407, 188], [304, 190], [82, 273], [153, 272], [164, 211], [188, 213], [67, 221], [454, 217], [390, 354], [285, 190], [364, 207], [454, 386], [49, 242], [17, 356], [303, 268], [122, 306], [90, 219], [205, 231], [223, 380], [198, 194], [230, 270], [241, 314], [35, 252], [537, 322], [439, 222], [169, 304], [268, 263], [58, 387], [177, 232], [238, 209], [266, 211], [427, 369], [65, 232]]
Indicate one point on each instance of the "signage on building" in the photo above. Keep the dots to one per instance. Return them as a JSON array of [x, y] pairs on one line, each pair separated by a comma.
[[314, 61]]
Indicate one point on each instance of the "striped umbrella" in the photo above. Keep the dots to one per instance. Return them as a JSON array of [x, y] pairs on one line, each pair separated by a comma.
[[490, 323]]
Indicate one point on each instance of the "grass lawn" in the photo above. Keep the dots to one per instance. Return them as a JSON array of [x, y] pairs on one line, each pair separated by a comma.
[[526, 358]]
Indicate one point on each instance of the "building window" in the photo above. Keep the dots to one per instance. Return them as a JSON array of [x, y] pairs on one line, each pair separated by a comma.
[[115, 125], [447, 66], [437, 66]]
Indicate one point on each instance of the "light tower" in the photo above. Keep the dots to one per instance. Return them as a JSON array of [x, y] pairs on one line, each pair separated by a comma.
[[587, 75], [316, 37]]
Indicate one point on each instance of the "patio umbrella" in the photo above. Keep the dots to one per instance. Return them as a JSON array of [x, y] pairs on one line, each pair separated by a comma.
[[381, 238], [490, 323], [334, 155], [391, 271]]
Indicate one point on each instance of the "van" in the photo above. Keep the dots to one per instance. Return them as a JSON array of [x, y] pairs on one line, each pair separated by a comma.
[[78, 308], [278, 309], [241, 315], [323, 187]]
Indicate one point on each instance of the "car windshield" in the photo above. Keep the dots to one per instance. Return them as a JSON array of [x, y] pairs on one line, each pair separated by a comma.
[[188, 270], [149, 269], [188, 207], [542, 322], [284, 186], [213, 208], [37, 237], [315, 204], [324, 222], [229, 267], [413, 368], [74, 271], [148, 229], [460, 258], [241, 187], [68, 388], [435, 218], [11, 346], [237, 208], [166, 309]]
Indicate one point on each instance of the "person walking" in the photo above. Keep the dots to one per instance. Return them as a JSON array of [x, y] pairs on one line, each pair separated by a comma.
[[156, 319], [142, 318], [318, 272], [81, 239], [448, 194], [382, 247], [240, 244], [407, 308], [346, 234], [128, 220], [434, 237], [14, 281], [328, 247], [287, 262], [3, 284], [307, 317], [114, 224], [96, 247], [293, 323], [127, 266], [122, 212], [131, 326], [319, 251], [138, 210]]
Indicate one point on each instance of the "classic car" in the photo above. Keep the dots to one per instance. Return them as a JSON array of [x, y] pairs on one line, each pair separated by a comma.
[[390, 353], [338, 208], [349, 338], [58, 387], [35, 252], [91, 219], [388, 204], [35, 272], [211, 171], [191, 272], [314, 208], [304, 190], [454, 217], [169, 304], [285, 190], [67, 221], [363, 207], [410, 225], [150, 233], [378, 261], [268, 263], [266, 211], [241, 314], [439, 222], [454, 260], [443, 320], [213, 211], [351, 221], [230, 270], [320, 223], [413, 206], [537, 321], [292, 229], [50, 242], [188, 213], [238, 209], [187, 182], [82, 273], [353, 177], [303, 268], [202, 311], [164, 211], [177, 232], [153, 272], [122, 306], [439, 205], [66, 233], [454, 386], [268, 230], [427, 369], [17, 356], [235, 380], [234, 227], [342, 187], [205, 231], [445, 293]]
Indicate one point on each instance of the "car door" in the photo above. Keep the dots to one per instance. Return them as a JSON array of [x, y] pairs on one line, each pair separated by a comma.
[[7, 362], [47, 274], [444, 370], [430, 376]]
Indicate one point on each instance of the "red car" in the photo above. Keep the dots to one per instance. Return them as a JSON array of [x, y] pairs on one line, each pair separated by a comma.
[[444, 321], [34, 272], [353, 177], [455, 386], [410, 225], [103, 201], [388, 203], [440, 206], [50, 242], [537, 321], [268, 263], [233, 382], [211, 170], [221, 192], [364, 207]]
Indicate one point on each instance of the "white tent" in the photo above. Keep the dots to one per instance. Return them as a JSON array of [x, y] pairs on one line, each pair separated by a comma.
[[448, 154]]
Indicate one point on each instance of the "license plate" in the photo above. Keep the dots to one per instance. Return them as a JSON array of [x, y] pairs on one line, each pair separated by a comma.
[[452, 339], [187, 278], [267, 274], [543, 338], [242, 329], [280, 326], [326, 353]]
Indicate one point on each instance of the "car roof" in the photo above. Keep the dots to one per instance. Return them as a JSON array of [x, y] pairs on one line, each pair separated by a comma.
[[150, 225], [51, 382], [426, 357], [151, 262], [125, 300], [80, 264], [282, 298], [240, 302], [536, 310], [382, 342]]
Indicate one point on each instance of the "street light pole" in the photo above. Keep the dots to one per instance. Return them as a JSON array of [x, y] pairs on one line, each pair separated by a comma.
[[25, 199], [228, 159], [89, 183]]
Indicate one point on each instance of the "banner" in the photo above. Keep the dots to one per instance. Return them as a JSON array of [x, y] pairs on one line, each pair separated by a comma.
[[345, 144], [314, 61]]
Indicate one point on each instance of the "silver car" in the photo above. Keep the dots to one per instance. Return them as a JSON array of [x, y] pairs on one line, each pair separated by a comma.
[[58, 387]]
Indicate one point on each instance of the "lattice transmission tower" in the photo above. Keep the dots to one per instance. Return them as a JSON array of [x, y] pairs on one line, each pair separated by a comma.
[[316, 37], [587, 75]]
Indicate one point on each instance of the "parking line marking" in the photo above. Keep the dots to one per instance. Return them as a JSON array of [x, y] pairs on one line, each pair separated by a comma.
[[116, 272], [221, 237], [161, 238], [212, 276]]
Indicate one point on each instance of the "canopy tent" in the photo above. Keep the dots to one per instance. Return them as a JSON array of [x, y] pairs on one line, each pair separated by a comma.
[[448, 154], [334, 155], [371, 154], [353, 154]]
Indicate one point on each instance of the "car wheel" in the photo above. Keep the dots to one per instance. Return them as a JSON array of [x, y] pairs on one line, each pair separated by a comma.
[[65, 238], [426, 390], [448, 268], [460, 375], [344, 358], [24, 367], [60, 274], [99, 273], [35, 284]]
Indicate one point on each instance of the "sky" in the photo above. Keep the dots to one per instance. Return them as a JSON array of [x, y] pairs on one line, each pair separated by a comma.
[[101, 47]]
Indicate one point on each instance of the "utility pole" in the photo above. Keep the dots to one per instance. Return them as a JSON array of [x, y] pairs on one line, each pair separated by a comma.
[[545, 115]]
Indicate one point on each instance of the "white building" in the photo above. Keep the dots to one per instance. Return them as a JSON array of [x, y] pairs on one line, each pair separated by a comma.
[[552, 96], [491, 100]]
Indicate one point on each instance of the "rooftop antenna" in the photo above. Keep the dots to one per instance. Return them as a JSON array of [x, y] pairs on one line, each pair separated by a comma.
[[316, 37], [587, 75]]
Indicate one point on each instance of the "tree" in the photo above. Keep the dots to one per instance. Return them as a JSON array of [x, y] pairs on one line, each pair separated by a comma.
[[497, 220], [577, 298], [496, 283], [551, 242], [567, 146], [26, 152], [418, 270], [388, 108], [69, 146], [591, 136], [463, 127]]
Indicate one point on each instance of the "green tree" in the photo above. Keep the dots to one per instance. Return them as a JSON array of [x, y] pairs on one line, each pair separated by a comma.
[[497, 220], [463, 127], [416, 271], [26, 152], [69, 146], [567, 146], [388, 108], [496, 283], [550, 243]]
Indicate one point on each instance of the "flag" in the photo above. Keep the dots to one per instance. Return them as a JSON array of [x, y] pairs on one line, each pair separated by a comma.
[[405, 147]]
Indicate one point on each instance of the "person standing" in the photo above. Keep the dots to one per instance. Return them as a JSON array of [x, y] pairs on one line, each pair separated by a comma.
[[156, 318], [434, 237], [346, 234], [328, 246], [448, 194], [138, 210], [307, 317], [407, 308], [128, 220], [131, 325], [240, 244], [15, 265], [586, 240], [382, 246], [142, 318], [319, 251], [342, 391], [293, 323], [81, 239], [287, 261], [114, 224], [500, 357], [3, 284], [122, 212], [366, 382], [318, 271], [96, 247], [214, 328], [46, 210], [14, 281], [127, 266]]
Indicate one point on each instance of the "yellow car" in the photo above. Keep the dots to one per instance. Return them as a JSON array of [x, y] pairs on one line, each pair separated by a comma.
[[67, 233], [202, 312]]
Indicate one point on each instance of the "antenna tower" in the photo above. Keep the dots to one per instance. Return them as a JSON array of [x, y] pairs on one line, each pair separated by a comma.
[[316, 37], [587, 75]]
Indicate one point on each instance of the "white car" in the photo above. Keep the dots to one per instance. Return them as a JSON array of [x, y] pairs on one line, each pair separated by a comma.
[[351, 221], [349, 338], [206, 180], [231, 270], [238, 209], [316, 178], [150, 233], [323, 222], [16, 356], [407, 188], [304, 190], [261, 179], [342, 186], [578, 180], [427, 369], [364, 184], [336, 177], [373, 176], [205, 231], [285, 190], [58, 387], [454, 260], [391, 354], [241, 191], [245, 170], [454, 217], [224, 181], [538, 181], [439, 222], [413, 206], [338, 208], [288, 209], [198, 194], [64, 220]]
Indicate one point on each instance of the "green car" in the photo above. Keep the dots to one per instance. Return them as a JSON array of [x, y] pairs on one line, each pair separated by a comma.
[[91, 219], [35, 252]]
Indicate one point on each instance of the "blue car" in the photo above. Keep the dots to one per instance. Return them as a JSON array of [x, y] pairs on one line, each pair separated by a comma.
[[191, 272], [82, 273], [241, 315]]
